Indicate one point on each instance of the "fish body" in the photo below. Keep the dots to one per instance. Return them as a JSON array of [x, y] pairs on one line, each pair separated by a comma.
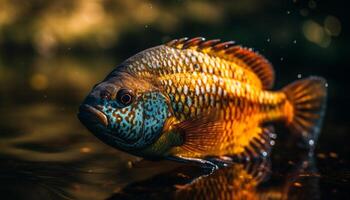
[[192, 98]]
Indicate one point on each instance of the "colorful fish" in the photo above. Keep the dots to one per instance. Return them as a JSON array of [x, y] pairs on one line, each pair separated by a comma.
[[190, 99]]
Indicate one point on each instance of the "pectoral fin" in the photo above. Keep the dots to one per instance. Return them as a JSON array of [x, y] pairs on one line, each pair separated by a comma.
[[201, 134]]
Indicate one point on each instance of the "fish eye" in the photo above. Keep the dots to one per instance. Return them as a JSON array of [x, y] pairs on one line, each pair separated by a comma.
[[125, 97]]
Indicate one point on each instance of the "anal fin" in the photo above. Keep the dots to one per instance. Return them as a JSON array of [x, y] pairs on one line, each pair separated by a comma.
[[201, 134]]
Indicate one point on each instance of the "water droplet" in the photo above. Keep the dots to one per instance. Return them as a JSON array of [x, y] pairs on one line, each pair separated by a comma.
[[282, 59], [288, 12], [273, 135], [311, 142], [294, 41], [299, 75], [264, 153], [326, 85], [268, 39], [146, 26], [272, 142]]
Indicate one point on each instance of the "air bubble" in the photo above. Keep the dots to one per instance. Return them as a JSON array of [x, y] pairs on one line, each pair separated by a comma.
[[299, 75], [294, 41], [281, 58], [273, 135], [326, 85], [268, 40], [311, 142]]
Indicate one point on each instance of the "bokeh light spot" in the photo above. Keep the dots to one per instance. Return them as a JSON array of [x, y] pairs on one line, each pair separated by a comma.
[[85, 150], [39, 82], [332, 26], [315, 33]]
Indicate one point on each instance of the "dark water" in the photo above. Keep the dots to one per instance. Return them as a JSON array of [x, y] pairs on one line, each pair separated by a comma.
[[47, 154]]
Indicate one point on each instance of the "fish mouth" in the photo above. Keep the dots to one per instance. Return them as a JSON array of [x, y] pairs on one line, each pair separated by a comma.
[[97, 122], [90, 115]]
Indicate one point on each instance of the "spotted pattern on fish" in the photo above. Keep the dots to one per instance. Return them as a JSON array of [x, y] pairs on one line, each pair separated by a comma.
[[188, 81], [197, 84], [164, 60], [235, 101], [155, 113], [139, 124]]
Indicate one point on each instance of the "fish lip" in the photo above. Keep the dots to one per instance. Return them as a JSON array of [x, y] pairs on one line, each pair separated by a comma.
[[92, 112]]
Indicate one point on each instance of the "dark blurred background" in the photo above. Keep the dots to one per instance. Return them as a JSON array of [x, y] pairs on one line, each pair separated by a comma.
[[53, 52]]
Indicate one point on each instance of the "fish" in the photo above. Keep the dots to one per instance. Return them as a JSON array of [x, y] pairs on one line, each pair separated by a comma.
[[191, 99]]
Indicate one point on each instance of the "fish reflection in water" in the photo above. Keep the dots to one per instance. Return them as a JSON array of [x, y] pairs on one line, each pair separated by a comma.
[[249, 180]]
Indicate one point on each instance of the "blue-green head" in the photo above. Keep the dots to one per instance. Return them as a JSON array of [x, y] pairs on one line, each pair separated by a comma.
[[125, 112]]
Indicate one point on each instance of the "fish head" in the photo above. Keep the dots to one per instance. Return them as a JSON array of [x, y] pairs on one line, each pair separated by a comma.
[[125, 112]]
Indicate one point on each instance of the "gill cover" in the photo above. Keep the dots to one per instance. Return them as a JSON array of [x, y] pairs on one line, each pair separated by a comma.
[[139, 124]]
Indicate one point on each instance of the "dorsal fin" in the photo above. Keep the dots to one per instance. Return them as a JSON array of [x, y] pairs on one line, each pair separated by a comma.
[[245, 57]]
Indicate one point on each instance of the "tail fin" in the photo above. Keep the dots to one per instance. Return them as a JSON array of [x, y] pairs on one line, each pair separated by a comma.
[[308, 100]]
